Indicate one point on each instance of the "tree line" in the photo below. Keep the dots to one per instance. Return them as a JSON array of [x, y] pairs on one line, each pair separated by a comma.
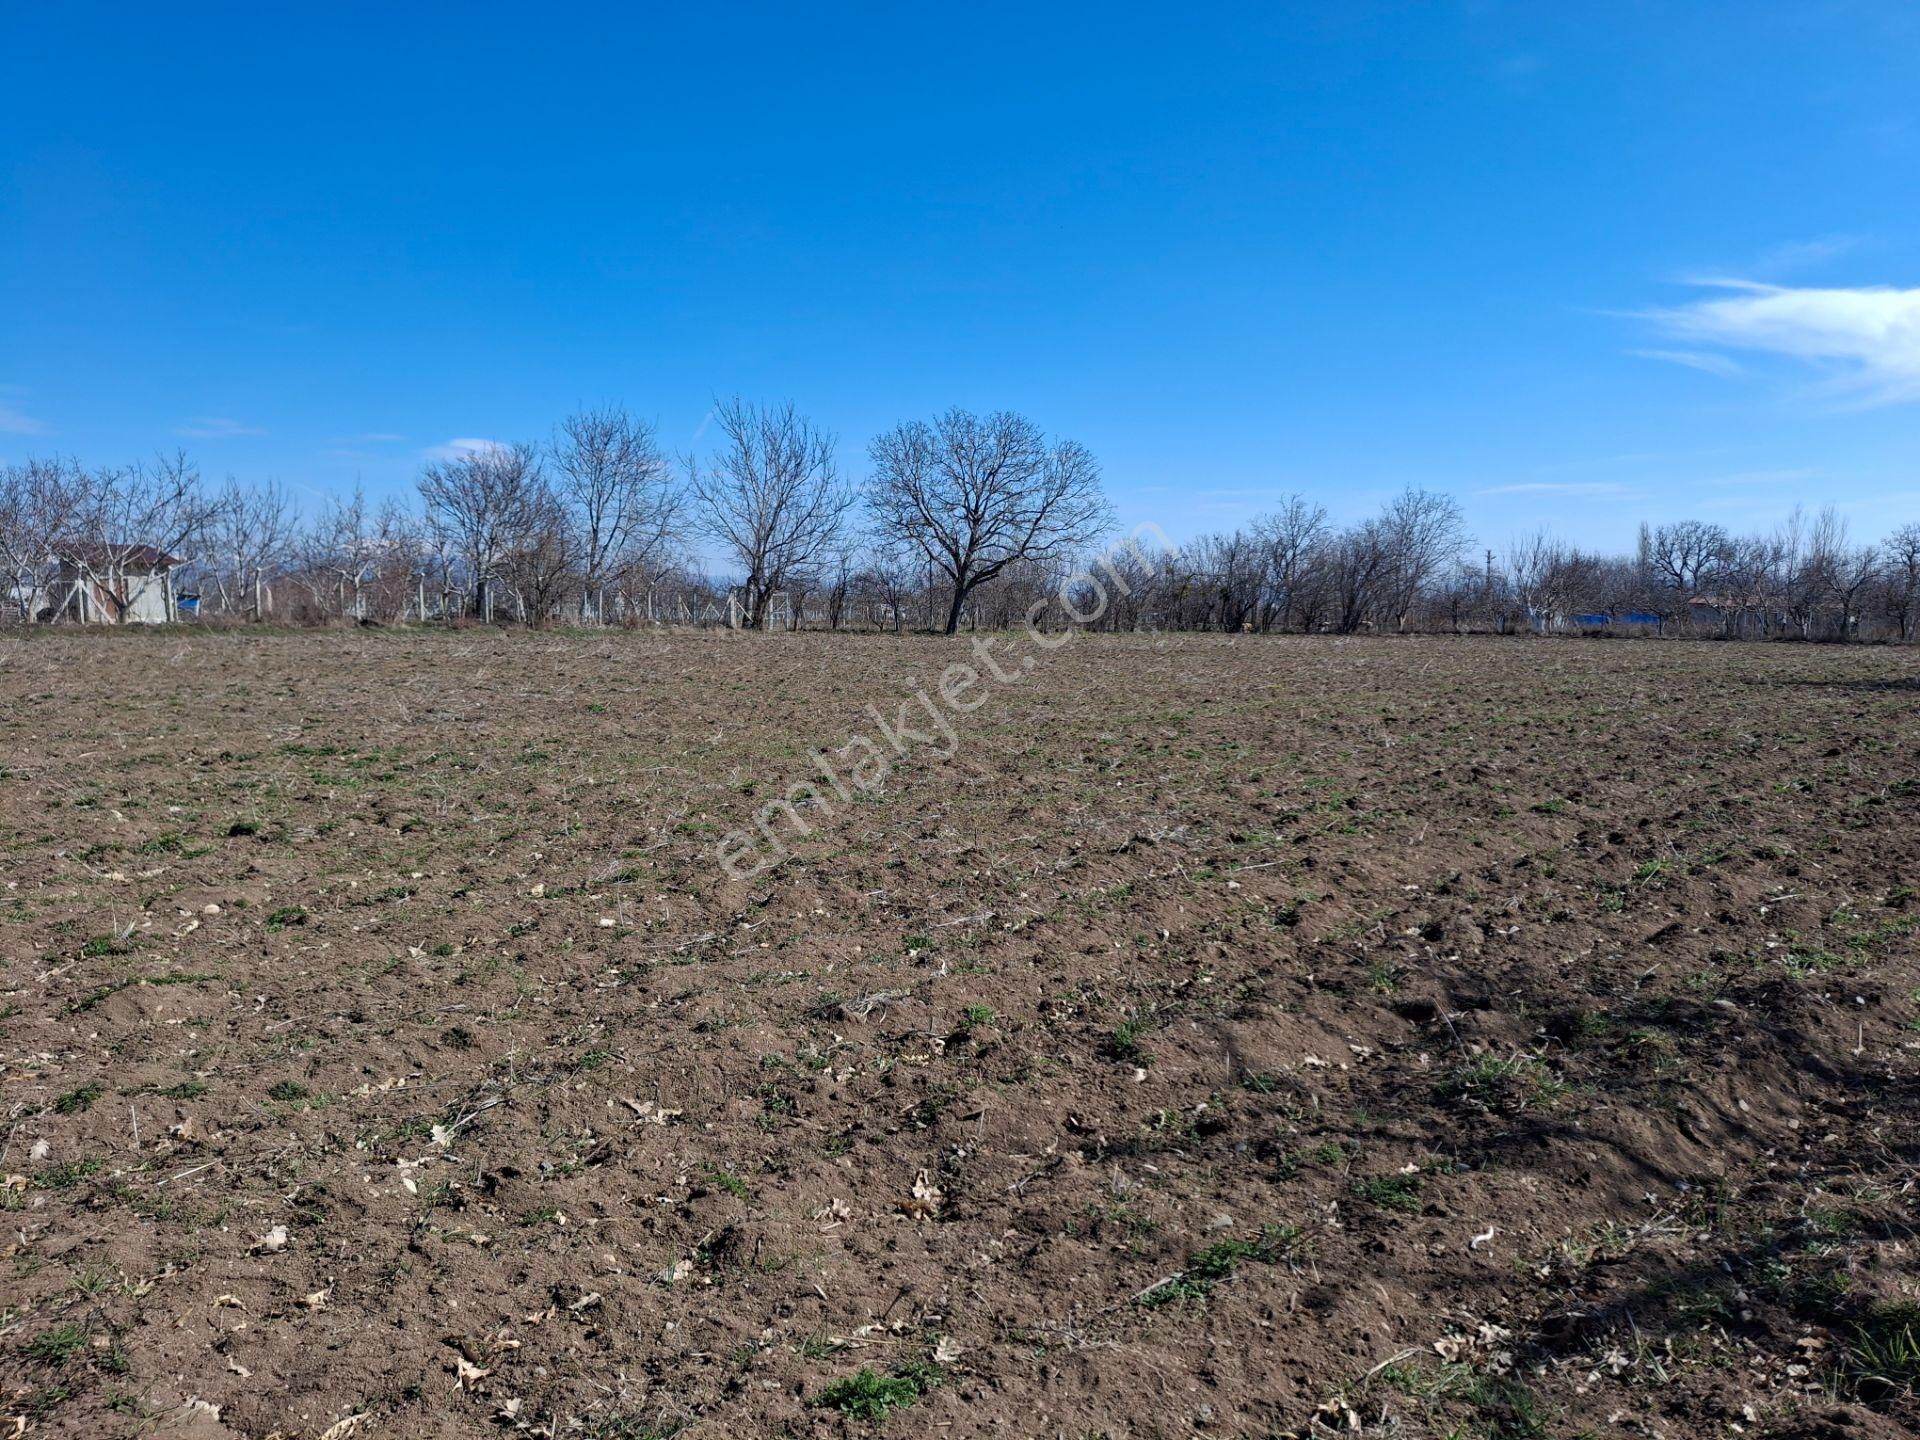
[[1413, 567], [596, 525], [961, 520]]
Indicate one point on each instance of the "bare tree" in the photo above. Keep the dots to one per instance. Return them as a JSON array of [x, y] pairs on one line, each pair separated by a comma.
[[1902, 579], [397, 581], [485, 503], [247, 543], [1796, 588], [1844, 570], [838, 581], [161, 504], [132, 515], [544, 561], [1227, 577], [618, 490], [1465, 592], [1359, 564], [1423, 533], [1134, 579], [42, 503], [885, 582], [1029, 587], [1585, 581], [1748, 581], [1531, 562], [977, 495], [772, 496], [1291, 538], [1615, 584], [1683, 562], [336, 557], [801, 586]]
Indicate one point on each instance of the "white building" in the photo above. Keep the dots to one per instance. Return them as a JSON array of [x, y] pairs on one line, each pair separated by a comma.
[[113, 585]]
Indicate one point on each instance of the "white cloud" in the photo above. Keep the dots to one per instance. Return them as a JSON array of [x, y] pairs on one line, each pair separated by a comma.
[[1723, 366], [1557, 487], [1631, 458], [14, 421], [1867, 339], [1749, 478], [458, 448], [18, 422], [215, 427]]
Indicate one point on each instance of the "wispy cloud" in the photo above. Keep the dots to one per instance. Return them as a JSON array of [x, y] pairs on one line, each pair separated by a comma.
[[1749, 478], [215, 427], [1798, 255], [13, 420], [458, 448], [1867, 339], [1723, 366], [1631, 459], [1738, 505], [1559, 487], [18, 422]]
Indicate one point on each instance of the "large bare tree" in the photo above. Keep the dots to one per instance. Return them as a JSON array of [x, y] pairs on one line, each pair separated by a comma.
[[1291, 538], [1359, 568], [486, 503], [1685, 558], [618, 491], [772, 496], [976, 495], [1423, 532]]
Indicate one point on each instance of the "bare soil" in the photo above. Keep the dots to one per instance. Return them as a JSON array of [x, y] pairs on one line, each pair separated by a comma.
[[1249, 1037]]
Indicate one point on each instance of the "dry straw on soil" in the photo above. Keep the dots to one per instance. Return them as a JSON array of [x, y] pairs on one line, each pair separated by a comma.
[[1259, 1035]]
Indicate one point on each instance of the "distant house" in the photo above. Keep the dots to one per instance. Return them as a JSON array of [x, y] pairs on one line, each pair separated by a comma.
[[112, 585]]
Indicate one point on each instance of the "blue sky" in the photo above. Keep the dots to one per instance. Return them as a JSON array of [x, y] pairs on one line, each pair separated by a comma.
[[1238, 251]]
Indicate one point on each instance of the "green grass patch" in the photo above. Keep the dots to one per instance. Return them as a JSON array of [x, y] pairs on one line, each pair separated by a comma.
[[58, 1345], [1391, 1192], [1221, 1260], [76, 1102], [869, 1395]]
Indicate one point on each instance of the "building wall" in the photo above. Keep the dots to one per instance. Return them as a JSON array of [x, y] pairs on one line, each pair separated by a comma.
[[147, 600], [90, 600]]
